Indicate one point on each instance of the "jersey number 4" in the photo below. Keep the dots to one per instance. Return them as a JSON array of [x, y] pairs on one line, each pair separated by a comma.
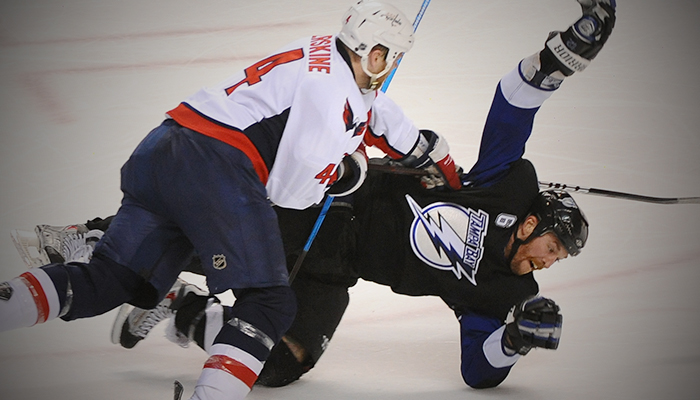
[[254, 73], [328, 176]]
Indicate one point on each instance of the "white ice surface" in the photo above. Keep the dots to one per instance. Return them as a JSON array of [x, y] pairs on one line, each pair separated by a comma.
[[84, 81]]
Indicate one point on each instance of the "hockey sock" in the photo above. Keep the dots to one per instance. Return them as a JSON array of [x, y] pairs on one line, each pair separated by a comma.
[[260, 317], [28, 300]]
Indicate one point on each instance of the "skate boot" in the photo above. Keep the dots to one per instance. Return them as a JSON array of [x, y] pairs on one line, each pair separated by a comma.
[[55, 244], [78, 247], [51, 239], [133, 324]]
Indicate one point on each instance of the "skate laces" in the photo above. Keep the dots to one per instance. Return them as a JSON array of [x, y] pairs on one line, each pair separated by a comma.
[[53, 236], [78, 247], [142, 321], [151, 318]]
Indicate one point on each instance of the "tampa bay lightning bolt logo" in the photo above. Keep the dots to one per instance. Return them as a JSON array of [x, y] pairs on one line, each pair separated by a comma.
[[449, 237]]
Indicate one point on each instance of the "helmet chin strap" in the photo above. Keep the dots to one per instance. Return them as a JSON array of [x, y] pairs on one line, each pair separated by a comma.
[[514, 249], [373, 78], [517, 242]]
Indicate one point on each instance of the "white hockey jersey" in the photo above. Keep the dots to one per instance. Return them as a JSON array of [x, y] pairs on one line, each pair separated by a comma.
[[296, 114]]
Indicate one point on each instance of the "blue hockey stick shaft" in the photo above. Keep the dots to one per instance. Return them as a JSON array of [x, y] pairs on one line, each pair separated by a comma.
[[329, 199], [312, 236], [416, 22]]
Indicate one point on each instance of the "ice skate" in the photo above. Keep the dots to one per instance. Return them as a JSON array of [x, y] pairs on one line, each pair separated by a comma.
[[78, 247], [55, 244], [133, 324]]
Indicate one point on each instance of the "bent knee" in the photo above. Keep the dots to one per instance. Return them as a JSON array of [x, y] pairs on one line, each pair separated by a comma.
[[283, 367], [271, 309]]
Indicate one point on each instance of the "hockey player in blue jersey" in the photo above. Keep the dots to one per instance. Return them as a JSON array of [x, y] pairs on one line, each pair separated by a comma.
[[386, 233]]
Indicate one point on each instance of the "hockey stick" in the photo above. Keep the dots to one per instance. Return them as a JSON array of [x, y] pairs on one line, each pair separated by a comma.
[[312, 236], [329, 199], [396, 169], [399, 170], [416, 22], [621, 195]]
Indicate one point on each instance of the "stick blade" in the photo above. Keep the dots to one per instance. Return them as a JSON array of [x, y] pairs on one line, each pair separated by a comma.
[[179, 390]]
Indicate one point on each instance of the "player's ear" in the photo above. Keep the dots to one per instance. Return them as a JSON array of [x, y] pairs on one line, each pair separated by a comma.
[[527, 226], [377, 56]]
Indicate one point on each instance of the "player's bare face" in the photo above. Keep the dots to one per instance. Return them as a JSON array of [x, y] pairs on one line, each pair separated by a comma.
[[539, 253]]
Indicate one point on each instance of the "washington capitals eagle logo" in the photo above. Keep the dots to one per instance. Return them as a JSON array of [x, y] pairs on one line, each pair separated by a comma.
[[350, 122], [449, 237]]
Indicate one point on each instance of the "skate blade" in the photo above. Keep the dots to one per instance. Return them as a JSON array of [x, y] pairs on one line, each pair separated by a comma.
[[27, 244]]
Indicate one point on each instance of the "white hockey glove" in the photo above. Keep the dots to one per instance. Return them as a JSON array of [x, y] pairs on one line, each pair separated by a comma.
[[432, 153], [536, 322], [572, 50], [351, 173]]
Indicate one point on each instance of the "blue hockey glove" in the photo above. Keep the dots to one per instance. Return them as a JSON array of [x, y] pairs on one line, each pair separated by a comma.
[[536, 322]]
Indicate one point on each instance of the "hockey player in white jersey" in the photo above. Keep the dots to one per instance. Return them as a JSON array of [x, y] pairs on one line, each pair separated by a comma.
[[203, 183]]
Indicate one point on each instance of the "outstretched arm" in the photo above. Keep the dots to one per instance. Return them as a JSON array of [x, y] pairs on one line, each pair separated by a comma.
[[522, 91]]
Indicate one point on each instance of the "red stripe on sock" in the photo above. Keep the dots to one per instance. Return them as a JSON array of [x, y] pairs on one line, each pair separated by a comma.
[[233, 367], [42, 303]]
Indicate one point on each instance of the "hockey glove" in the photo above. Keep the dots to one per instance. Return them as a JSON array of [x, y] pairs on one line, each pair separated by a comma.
[[567, 52], [573, 50], [435, 158], [351, 173], [536, 322]]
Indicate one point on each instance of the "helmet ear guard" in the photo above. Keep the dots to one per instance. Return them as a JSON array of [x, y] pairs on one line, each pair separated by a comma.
[[558, 213], [371, 23]]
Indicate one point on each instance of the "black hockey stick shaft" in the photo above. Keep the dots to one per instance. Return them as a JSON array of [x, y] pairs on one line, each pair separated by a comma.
[[621, 195], [396, 169], [399, 170]]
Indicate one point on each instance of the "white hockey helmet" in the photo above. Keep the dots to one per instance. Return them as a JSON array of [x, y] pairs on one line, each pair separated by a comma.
[[369, 23]]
